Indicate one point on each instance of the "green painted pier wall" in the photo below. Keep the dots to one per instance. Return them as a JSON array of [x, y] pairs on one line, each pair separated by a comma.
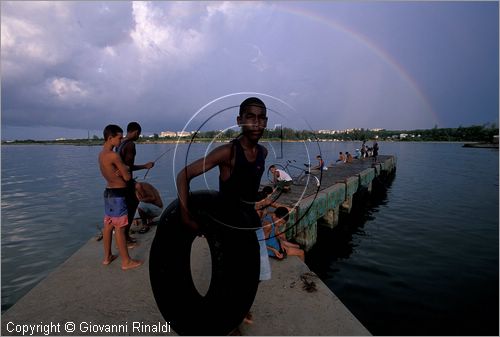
[[339, 185]]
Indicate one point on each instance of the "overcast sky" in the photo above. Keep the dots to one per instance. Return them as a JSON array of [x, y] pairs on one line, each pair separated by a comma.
[[69, 68]]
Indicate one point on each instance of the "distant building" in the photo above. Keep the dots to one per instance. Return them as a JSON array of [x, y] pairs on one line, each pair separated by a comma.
[[175, 134], [168, 134], [183, 134]]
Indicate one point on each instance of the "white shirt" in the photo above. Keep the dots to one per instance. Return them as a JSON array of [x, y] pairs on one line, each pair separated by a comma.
[[283, 176]]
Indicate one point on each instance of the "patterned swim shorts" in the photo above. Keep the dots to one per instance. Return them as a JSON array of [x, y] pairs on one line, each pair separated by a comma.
[[115, 207]]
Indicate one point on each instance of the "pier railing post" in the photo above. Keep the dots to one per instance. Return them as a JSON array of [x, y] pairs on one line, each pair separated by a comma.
[[366, 177], [335, 195], [351, 187], [331, 218]]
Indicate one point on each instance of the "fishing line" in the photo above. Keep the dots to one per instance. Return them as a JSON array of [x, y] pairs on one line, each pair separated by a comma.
[[164, 153]]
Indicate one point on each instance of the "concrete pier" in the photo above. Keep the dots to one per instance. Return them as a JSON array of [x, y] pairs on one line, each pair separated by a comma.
[[93, 299], [339, 184], [83, 297]]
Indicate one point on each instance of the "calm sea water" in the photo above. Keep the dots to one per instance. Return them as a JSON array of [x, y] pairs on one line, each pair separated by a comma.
[[422, 258]]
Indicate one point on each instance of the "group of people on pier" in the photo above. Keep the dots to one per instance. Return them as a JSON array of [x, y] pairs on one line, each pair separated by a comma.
[[125, 198], [365, 152], [241, 164]]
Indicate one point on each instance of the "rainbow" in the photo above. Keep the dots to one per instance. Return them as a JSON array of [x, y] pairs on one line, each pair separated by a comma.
[[289, 8]]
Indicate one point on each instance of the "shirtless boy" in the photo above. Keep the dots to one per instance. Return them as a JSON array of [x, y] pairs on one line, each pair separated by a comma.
[[150, 204], [115, 208]]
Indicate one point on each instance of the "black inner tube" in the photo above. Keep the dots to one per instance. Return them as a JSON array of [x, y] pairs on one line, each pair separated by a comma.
[[235, 267]]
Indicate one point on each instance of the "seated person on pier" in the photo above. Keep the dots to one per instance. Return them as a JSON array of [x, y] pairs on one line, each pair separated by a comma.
[[357, 154], [277, 245], [281, 179], [321, 164], [268, 198], [150, 204], [342, 158], [349, 158]]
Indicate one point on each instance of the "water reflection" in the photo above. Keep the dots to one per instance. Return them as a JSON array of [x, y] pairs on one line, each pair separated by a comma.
[[340, 242]]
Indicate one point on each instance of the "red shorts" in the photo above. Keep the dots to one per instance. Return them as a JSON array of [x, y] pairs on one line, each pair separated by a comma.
[[116, 221]]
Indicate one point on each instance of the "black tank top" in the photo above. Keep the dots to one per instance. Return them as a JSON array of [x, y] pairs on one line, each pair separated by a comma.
[[244, 181], [120, 147]]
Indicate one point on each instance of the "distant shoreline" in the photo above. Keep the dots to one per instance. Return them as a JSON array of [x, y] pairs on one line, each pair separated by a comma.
[[94, 143], [472, 134]]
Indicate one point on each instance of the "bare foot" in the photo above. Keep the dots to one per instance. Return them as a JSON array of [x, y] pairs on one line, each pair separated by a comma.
[[109, 259], [248, 318], [131, 245], [132, 264]]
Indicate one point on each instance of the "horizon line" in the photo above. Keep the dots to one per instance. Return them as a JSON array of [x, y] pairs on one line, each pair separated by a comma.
[[491, 125]]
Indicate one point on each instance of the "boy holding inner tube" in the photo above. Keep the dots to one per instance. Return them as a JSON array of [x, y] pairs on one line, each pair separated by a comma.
[[241, 165]]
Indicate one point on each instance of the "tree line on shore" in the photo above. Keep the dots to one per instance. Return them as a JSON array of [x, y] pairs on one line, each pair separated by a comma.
[[475, 133]]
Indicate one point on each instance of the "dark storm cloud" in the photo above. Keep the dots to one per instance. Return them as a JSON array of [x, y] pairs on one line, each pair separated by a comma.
[[83, 65]]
